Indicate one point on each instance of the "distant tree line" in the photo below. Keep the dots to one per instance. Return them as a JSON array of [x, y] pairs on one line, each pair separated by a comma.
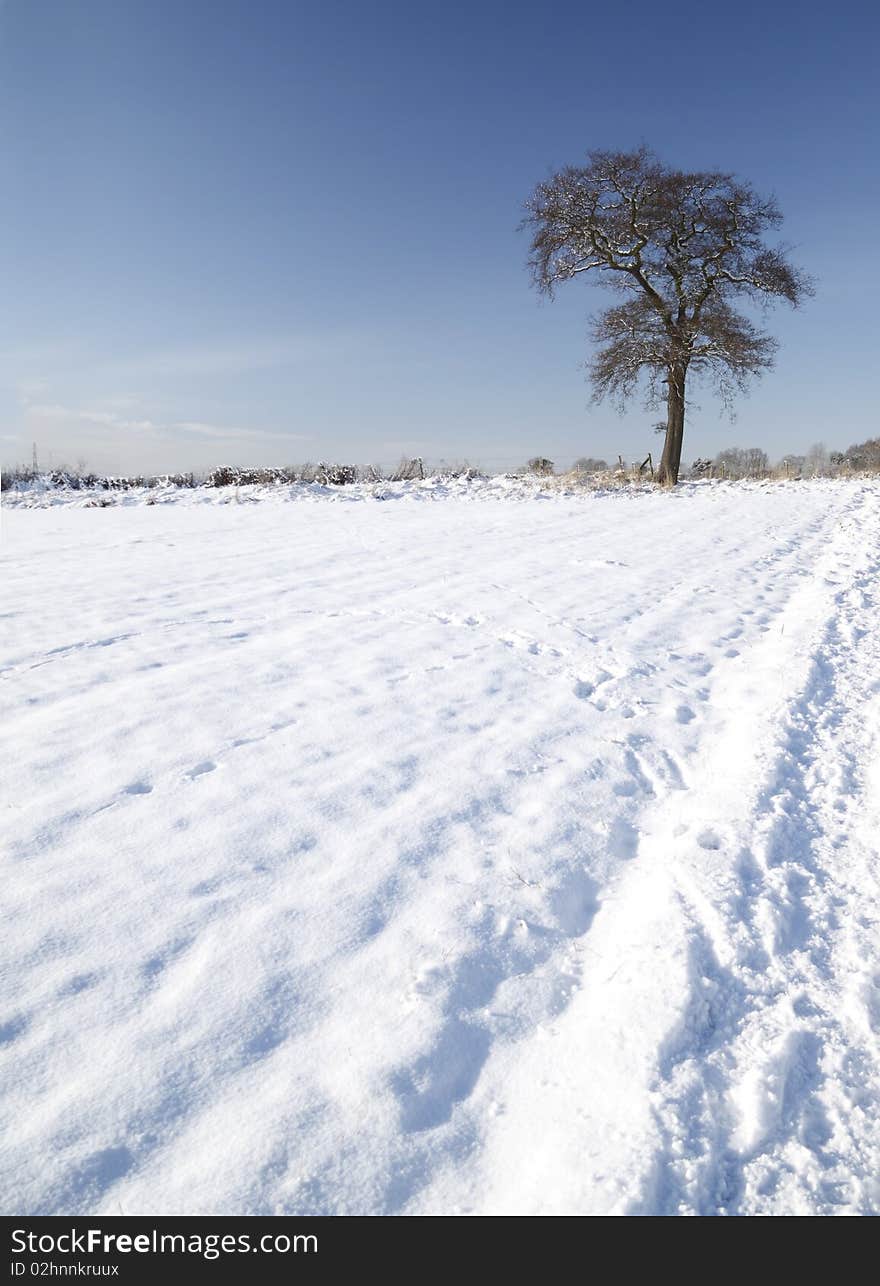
[[864, 455], [322, 474], [818, 462], [742, 462], [732, 462]]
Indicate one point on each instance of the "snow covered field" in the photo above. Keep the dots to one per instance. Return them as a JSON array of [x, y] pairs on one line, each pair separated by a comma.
[[448, 852]]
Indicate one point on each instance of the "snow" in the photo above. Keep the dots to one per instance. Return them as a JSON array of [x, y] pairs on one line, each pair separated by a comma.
[[486, 848]]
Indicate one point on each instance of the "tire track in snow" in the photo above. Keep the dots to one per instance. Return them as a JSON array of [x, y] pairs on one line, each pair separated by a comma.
[[624, 1102], [767, 1097]]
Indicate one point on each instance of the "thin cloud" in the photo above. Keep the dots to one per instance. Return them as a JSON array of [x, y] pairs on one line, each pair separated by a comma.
[[221, 431], [32, 369], [107, 419], [174, 429], [231, 358]]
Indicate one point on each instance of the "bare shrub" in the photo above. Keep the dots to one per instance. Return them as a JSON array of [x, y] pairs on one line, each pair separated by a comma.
[[336, 475], [541, 466], [409, 470], [456, 469], [223, 476]]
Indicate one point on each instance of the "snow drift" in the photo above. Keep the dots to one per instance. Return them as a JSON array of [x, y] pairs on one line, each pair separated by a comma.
[[373, 857]]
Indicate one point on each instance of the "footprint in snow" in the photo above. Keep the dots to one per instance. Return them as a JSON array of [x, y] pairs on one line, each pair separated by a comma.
[[15, 1027], [137, 788], [206, 887], [96, 1173], [430, 1088], [583, 689], [623, 839], [156, 964], [79, 982], [207, 765]]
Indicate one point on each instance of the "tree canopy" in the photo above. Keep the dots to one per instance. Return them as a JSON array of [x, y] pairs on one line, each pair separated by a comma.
[[680, 247]]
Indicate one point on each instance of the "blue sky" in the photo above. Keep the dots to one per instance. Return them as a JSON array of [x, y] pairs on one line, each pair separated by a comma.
[[269, 232]]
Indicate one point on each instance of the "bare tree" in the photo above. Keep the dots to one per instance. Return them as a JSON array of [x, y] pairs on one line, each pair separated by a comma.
[[742, 462], [541, 465], [793, 464], [865, 455], [679, 247], [818, 460]]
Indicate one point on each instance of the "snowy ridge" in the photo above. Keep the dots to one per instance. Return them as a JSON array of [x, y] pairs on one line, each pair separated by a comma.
[[385, 858], [40, 495]]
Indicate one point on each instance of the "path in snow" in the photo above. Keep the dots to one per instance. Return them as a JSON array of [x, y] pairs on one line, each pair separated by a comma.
[[399, 857]]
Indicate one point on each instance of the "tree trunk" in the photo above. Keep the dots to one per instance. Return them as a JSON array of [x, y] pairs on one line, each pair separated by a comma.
[[670, 462]]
